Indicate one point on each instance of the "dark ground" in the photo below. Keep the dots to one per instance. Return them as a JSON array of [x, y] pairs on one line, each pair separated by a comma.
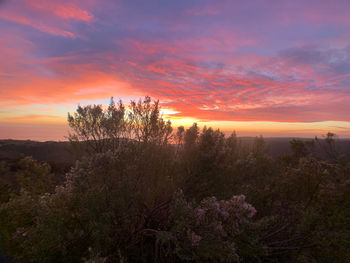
[[60, 152]]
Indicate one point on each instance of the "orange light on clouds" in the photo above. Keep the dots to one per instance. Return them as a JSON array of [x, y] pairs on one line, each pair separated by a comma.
[[207, 63]]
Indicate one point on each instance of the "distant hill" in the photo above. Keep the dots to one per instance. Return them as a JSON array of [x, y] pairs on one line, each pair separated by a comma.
[[59, 152], [277, 146], [49, 151]]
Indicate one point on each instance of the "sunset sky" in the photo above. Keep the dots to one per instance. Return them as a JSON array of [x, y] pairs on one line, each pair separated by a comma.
[[270, 67]]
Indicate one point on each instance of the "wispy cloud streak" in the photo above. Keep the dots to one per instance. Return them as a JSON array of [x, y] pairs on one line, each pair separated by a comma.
[[206, 60]]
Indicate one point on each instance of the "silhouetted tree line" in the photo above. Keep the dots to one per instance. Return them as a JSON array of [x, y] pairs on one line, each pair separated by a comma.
[[141, 192]]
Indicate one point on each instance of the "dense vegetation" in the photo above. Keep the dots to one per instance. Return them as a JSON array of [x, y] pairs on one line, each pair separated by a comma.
[[141, 192]]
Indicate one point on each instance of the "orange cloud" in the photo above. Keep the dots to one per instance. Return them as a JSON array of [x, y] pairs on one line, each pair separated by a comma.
[[29, 118], [198, 91], [34, 131], [202, 77]]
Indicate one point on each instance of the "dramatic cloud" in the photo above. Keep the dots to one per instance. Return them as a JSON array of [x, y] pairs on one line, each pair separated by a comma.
[[205, 60]]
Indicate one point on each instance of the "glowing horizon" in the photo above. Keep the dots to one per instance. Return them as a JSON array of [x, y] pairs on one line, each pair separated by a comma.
[[271, 68]]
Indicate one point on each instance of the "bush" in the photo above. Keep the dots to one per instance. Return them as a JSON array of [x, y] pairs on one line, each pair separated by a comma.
[[121, 203]]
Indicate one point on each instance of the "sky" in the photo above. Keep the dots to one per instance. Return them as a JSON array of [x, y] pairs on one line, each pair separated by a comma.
[[260, 67]]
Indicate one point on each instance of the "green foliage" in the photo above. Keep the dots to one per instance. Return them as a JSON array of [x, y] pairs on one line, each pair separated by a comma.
[[210, 231], [6, 186], [121, 203], [35, 178]]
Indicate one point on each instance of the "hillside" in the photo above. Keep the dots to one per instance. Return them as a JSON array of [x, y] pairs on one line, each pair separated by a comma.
[[59, 152]]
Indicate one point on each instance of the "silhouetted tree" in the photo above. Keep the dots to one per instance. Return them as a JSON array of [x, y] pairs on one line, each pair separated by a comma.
[[96, 129]]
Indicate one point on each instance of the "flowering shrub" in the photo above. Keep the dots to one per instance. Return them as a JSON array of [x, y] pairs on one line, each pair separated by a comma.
[[209, 230], [119, 202]]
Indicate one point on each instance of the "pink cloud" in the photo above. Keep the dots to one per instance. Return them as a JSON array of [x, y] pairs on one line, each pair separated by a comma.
[[18, 18], [198, 91], [47, 16], [202, 77], [62, 9]]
